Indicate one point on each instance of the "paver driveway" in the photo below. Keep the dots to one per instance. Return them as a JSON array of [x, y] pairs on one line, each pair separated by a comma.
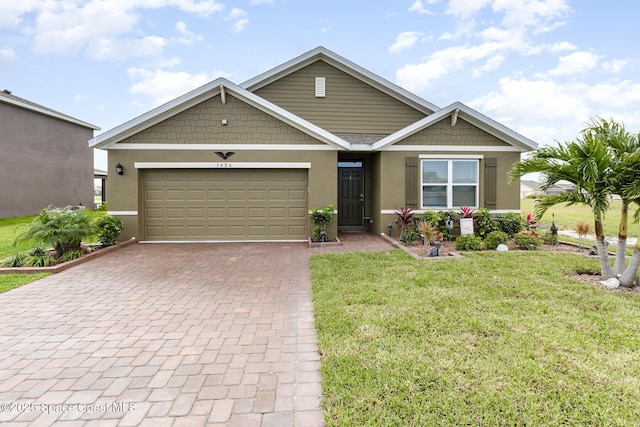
[[159, 334]]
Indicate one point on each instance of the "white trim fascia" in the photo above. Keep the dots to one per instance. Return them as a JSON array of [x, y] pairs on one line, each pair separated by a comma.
[[348, 67], [209, 90], [220, 241], [222, 165], [123, 213], [47, 112], [421, 211], [517, 141], [451, 156], [226, 147], [452, 148]]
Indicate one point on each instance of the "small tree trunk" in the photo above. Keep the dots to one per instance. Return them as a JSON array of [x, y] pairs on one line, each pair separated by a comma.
[[605, 266], [631, 271], [621, 250]]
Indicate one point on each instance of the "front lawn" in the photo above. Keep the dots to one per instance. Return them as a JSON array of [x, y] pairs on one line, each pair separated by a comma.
[[10, 228], [12, 281], [491, 339]]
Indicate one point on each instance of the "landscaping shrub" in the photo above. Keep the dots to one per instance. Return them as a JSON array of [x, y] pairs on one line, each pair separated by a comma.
[[71, 255], [484, 223], [495, 238], [109, 228], [38, 257], [15, 260], [432, 217], [468, 242], [512, 223], [445, 220], [428, 231], [526, 241], [64, 229], [409, 236], [404, 216], [548, 238], [321, 217]]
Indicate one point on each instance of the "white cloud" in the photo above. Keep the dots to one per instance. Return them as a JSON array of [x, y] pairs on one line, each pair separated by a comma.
[[259, 2], [561, 47], [405, 41], [492, 63], [465, 9], [117, 49], [575, 63], [419, 8], [188, 37], [532, 13], [6, 54], [239, 18], [71, 26], [162, 86], [539, 107], [615, 66]]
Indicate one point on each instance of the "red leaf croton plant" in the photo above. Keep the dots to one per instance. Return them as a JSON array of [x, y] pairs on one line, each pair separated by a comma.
[[465, 212]]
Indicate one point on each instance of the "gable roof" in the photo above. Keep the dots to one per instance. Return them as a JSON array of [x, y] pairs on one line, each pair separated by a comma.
[[207, 91], [354, 70], [8, 98], [455, 110]]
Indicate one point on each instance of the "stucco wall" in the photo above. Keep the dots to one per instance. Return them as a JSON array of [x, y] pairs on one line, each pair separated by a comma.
[[44, 161]]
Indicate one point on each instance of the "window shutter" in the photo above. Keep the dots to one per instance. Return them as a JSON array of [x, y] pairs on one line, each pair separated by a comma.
[[412, 180], [490, 183]]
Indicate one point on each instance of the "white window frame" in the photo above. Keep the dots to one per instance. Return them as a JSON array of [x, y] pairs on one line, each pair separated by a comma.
[[449, 184]]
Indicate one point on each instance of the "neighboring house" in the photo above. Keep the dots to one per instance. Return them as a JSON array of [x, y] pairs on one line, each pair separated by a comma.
[[44, 158], [560, 187], [529, 188], [230, 162]]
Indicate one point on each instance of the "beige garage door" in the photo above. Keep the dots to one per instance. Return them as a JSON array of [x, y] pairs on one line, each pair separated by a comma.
[[218, 204]]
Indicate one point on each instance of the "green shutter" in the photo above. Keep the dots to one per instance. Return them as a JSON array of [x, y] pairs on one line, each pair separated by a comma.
[[490, 183], [412, 182]]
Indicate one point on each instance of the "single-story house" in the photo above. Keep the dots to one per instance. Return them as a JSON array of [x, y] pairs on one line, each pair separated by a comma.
[[44, 158], [247, 162], [529, 188]]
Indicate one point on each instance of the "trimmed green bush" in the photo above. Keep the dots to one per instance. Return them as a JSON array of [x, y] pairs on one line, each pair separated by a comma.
[[484, 223], [468, 242], [410, 235], [527, 241], [109, 228], [512, 223], [38, 257], [495, 238]]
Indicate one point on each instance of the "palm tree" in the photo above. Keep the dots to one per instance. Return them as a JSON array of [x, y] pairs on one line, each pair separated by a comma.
[[626, 171], [587, 164], [631, 191]]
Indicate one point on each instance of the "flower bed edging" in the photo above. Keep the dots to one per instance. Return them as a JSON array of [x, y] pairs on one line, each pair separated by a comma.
[[60, 267], [312, 244], [414, 255]]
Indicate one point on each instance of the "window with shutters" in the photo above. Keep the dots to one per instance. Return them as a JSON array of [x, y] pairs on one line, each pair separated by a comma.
[[449, 183]]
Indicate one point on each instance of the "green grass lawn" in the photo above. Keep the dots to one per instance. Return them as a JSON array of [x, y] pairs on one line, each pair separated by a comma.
[[12, 281], [492, 339], [566, 217], [10, 228]]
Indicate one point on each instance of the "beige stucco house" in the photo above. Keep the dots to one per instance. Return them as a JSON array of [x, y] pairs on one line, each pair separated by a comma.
[[230, 162], [44, 158]]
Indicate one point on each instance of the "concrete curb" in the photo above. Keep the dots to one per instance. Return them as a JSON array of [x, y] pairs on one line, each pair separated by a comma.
[[61, 267]]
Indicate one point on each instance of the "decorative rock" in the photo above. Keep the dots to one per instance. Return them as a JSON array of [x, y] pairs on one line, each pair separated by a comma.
[[610, 283], [502, 248]]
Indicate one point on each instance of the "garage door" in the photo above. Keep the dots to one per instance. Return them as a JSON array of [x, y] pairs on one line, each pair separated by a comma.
[[218, 204]]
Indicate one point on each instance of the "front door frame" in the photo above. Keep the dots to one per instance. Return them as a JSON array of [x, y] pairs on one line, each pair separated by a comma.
[[355, 164]]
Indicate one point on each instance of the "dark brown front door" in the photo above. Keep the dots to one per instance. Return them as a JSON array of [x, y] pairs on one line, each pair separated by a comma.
[[350, 194]]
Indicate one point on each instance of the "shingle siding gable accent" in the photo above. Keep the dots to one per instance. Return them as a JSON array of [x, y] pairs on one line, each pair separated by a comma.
[[463, 133], [202, 124], [350, 105]]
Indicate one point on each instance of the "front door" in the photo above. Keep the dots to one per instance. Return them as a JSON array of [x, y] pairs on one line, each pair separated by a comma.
[[350, 194]]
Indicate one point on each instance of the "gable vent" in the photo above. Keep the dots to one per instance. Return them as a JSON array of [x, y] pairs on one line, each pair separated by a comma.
[[321, 87]]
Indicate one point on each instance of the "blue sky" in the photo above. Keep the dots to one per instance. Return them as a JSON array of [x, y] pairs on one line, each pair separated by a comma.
[[542, 67]]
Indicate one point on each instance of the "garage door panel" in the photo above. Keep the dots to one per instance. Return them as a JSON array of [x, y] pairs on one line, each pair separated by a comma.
[[236, 204]]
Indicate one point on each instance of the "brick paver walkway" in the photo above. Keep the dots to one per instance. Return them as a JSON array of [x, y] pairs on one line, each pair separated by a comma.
[[167, 335]]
